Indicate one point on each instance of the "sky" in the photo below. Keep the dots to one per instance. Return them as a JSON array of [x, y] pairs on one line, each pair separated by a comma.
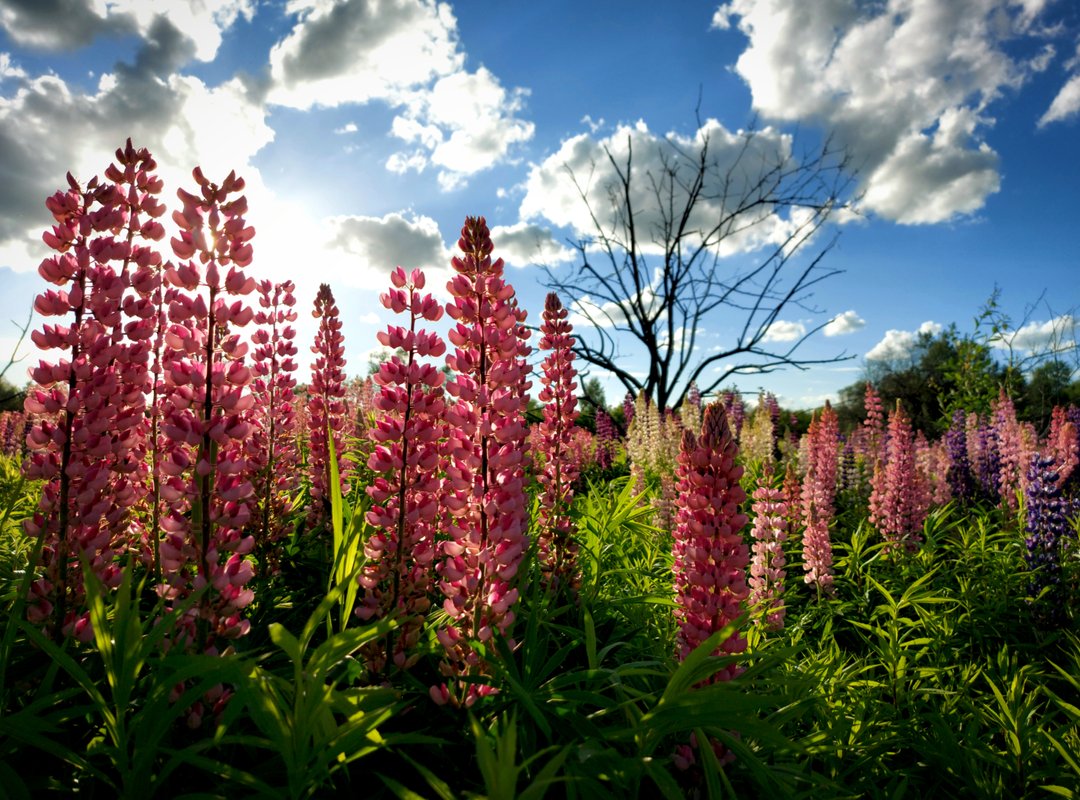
[[367, 130]]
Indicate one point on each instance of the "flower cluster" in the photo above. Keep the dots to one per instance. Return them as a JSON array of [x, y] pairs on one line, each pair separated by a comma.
[[710, 553], [407, 435], [1047, 526], [326, 407], [205, 415], [959, 474], [556, 549], [274, 455], [485, 457], [818, 495], [88, 441], [900, 497], [767, 568]]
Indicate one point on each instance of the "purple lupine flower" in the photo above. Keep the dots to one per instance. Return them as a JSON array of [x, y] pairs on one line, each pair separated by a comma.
[[959, 476], [1047, 525]]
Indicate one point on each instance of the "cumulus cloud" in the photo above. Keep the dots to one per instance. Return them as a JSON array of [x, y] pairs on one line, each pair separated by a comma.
[[1052, 336], [183, 121], [784, 331], [70, 24], [553, 190], [843, 324], [405, 53], [1065, 105], [378, 244], [525, 243], [359, 50], [906, 87], [898, 345]]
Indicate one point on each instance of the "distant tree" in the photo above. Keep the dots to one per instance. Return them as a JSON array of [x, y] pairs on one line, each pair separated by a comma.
[[591, 400], [1050, 384], [654, 266]]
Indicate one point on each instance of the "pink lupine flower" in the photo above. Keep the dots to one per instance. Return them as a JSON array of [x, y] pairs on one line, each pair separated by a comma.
[[767, 568], [710, 553], [873, 426], [556, 549], [900, 497], [736, 410], [273, 453], [408, 435], [1014, 454], [326, 407], [607, 438], [89, 439], [205, 420], [818, 494], [485, 455], [1063, 444]]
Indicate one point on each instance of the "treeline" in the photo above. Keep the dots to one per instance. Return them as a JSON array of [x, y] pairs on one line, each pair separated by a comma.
[[949, 371]]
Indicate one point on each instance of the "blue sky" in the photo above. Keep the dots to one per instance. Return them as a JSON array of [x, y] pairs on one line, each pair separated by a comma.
[[367, 130]]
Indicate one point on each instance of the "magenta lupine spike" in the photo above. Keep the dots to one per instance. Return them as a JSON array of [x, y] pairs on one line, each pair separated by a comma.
[[408, 434], [873, 425], [1063, 445], [900, 498], [326, 407], [710, 552], [274, 457], [556, 548], [485, 457], [767, 567], [205, 414], [1013, 457], [607, 438], [89, 439], [736, 410], [818, 494]]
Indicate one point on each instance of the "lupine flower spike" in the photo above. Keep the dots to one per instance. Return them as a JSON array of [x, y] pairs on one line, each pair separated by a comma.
[[556, 548], [326, 407], [407, 434], [485, 458], [205, 415]]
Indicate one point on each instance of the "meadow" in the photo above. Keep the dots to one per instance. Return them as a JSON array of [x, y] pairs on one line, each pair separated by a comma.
[[432, 582]]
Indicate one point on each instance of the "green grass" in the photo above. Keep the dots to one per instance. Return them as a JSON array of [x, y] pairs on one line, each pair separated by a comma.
[[921, 677]]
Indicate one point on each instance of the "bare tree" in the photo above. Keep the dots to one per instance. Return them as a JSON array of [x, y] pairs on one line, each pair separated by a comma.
[[659, 262]]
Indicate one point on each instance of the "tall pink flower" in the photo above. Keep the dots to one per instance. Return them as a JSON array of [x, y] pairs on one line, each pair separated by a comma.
[[485, 456], [900, 497], [408, 434], [326, 406], [205, 413], [555, 546], [767, 568], [873, 426], [710, 552], [89, 438], [818, 494], [272, 447]]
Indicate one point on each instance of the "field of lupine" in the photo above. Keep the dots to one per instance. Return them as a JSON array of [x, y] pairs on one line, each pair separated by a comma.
[[423, 584]]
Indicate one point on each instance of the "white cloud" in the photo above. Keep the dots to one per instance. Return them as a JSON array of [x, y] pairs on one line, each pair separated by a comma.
[[1053, 335], [182, 121], [897, 345], [1065, 105], [525, 243], [375, 245], [359, 50], [348, 127], [843, 324], [906, 87], [70, 24], [405, 53], [551, 193], [784, 331]]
